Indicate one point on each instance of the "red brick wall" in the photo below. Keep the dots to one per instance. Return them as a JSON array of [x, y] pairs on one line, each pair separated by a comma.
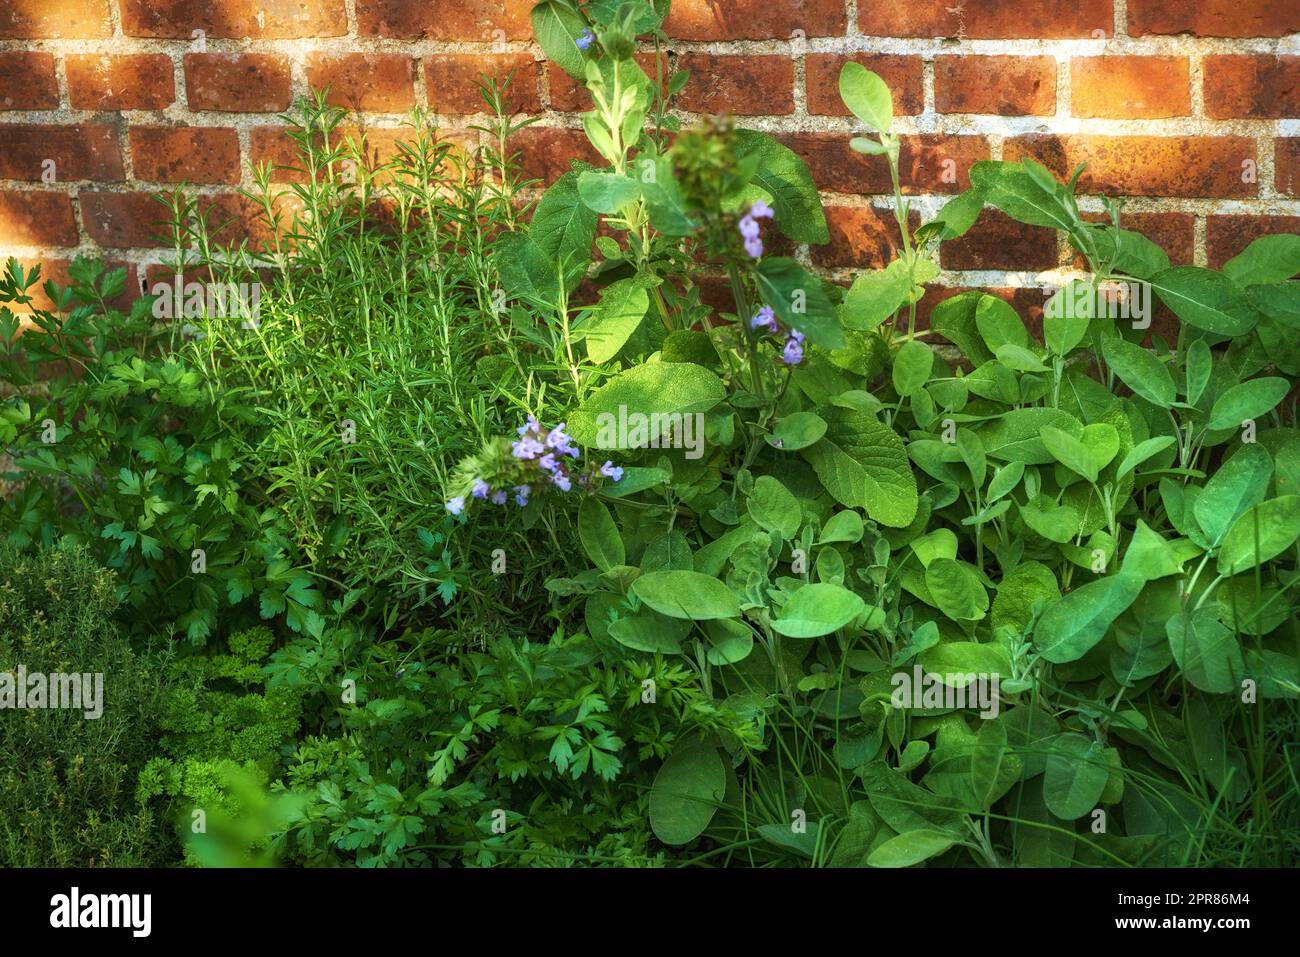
[[1189, 107]]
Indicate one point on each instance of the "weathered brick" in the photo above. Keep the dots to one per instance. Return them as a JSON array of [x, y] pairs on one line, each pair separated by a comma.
[[452, 81], [545, 152], [89, 152], [1130, 87], [37, 218], [1214, 18], [1002, 85], [1209, 166], [739, 85], [164, 154], [997, 241], [238, 82], [383, 82], [928, 163], [240, 19], [862, 236], [1286, 160], [987, 19], [234, 219], [1225, 236], [136, 81], [754, 19], [1259, 87], [27, 81], [123, 220], [1175, 233], [445, 19], [903, 74], [54, 19]]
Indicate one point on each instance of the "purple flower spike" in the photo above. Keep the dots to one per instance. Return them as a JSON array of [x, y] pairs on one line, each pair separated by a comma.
[[612, 471], [793, 353], [481, 489], [456, 505]]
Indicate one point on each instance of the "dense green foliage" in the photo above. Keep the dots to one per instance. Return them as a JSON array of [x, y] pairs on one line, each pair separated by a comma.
[[514, 551], [67, 782]]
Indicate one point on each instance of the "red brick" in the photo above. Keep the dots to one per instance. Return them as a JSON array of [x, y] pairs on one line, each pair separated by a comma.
[[27, 81], [1287, 165], [740, 85], [54, 19], [922, 161], [985, 19], [1256, 87], [862, 236], [164, 154], [37, 218], [238, 82], [383, 82], [903, 74], [1130, 87], [1191, 166], [178, 19], [87, 152], [545, 152], [123, 220], [754, 19], [234, 219], [452, 81], [445, 19], [567, 94], [137, 81], [1175, 233], [997, 241], [1225, 236], [1214, 18], [1002, 85]]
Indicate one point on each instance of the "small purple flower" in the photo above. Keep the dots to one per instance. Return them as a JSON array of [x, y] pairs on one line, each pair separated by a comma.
[[793, 353], [521, 494], [761, 210], [749, 227], [527, 448], [797, 336], [612, 471], [585, 40], [481, 489], [456, 505], [499, 497], [548, 462], [561, 481], [754, 247], [558, 439], [765, 320], [532, 425]]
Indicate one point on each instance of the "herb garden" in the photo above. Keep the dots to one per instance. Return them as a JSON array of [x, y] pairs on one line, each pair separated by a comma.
[[589, 524]]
